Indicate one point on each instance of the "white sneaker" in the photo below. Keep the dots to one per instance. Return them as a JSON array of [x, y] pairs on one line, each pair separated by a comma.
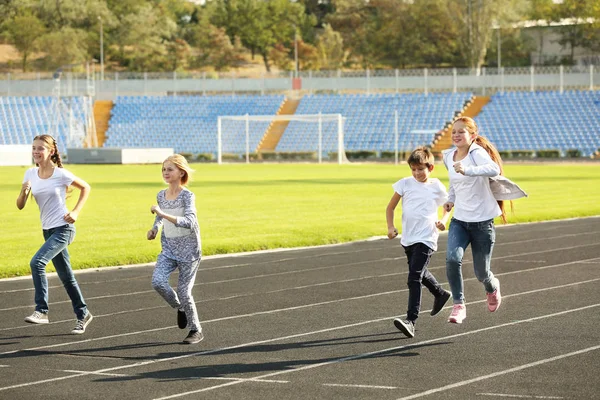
[[37, 318], [82, 323], [458, 314]]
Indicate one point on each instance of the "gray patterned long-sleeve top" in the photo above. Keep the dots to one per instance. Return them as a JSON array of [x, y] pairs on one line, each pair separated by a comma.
[[180, 241]]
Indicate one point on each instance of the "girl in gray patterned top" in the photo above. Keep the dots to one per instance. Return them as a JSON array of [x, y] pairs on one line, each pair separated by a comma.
[[180, 241]]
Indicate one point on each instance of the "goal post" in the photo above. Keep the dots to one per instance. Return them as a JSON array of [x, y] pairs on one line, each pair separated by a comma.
[[243, 134]]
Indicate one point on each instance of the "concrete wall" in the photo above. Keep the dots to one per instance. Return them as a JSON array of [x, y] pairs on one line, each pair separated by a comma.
[[117, 156], [15, 154]]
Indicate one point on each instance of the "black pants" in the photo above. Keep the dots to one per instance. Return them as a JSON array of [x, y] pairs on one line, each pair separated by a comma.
[[418, 256]]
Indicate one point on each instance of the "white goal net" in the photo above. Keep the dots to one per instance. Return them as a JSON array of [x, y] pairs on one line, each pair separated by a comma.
[[296, 137]]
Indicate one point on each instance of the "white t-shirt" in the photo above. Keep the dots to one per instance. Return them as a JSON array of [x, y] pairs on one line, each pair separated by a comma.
[[50, 195], [474, 200], [420, 202]]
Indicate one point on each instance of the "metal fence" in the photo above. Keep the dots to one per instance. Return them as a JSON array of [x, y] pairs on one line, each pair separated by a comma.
[[482, 81]]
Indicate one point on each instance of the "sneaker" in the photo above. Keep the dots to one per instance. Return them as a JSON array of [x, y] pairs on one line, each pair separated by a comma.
[[494, 299], [181, 319], [37, 318], [439, 302], [193, 337], [405, 326], [458, 314], [82, 323]]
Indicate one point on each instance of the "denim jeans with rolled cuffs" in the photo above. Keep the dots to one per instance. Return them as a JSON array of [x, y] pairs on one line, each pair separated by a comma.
[[481, 236], [55, 250]]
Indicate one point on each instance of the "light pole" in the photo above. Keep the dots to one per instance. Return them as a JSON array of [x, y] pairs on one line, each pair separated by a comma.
[[296, 50], [101, 50]]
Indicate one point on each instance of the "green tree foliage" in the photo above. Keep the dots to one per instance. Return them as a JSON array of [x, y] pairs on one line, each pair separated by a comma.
[[146, 39], [215, 48], [582, 27], [261, 25], [330, 49], [541, 10], [154, 35], [66, 46], [516, 47], [477, 19], [24, 32]]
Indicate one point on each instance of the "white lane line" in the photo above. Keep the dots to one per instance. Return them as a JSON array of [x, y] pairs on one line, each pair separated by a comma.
[[264, 312], [287, 273], [518, 396], [372, 353], [91, 373], [500, 373], [224, 378], [282, 338], [105, 269], [360, 386]]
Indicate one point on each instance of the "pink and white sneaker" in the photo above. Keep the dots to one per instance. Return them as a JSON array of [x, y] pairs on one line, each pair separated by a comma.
[[494, 299], [458, 314]]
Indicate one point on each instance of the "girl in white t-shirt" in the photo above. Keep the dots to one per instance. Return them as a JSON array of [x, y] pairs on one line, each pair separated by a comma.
[[421, 197], [48, 182], [470, 165]]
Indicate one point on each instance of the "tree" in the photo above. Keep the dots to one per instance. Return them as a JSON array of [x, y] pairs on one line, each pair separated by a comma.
[[24, 32], [147, 39], [541, 10], [356, 20], [215, 48], [477, 19], [65, 46], [260, 25], [330, 49], [579, 31]]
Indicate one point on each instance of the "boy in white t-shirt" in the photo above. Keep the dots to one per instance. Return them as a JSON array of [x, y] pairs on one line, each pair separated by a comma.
[[421, 196]]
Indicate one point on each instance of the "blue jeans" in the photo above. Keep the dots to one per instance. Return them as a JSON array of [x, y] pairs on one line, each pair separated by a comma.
[[481, 236], [55, 249], [419, 255]]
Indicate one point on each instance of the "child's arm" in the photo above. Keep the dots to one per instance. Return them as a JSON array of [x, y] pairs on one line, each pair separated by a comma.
[[483, 165], [151, 235], [389, 215], [189, 213], [23, 195], [84, 193], [447, 202], [442, 223]]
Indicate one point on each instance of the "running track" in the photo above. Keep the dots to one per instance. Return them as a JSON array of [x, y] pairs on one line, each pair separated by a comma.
[[316, 323]]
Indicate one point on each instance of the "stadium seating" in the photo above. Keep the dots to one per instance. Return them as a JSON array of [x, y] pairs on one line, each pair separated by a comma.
[[188, 124], [22, 118], [547, 120], [369, 120], [513, 121]]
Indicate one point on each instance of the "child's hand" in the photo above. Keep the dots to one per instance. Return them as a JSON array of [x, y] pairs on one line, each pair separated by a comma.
[[459, 168], [392, 232], [26, 187], [440, 225], [71, 217], [151, 234], [448, 206], [156, 210]]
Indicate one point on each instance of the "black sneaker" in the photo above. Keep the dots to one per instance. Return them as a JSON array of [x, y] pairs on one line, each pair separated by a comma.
[[181, 319], [193, 337], [407, 327], [440, 301]]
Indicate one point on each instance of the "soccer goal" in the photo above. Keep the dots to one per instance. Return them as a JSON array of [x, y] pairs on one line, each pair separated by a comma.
[[312, 137]]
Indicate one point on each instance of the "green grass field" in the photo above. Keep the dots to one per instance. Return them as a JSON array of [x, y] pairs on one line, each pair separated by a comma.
[[253, 207]]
